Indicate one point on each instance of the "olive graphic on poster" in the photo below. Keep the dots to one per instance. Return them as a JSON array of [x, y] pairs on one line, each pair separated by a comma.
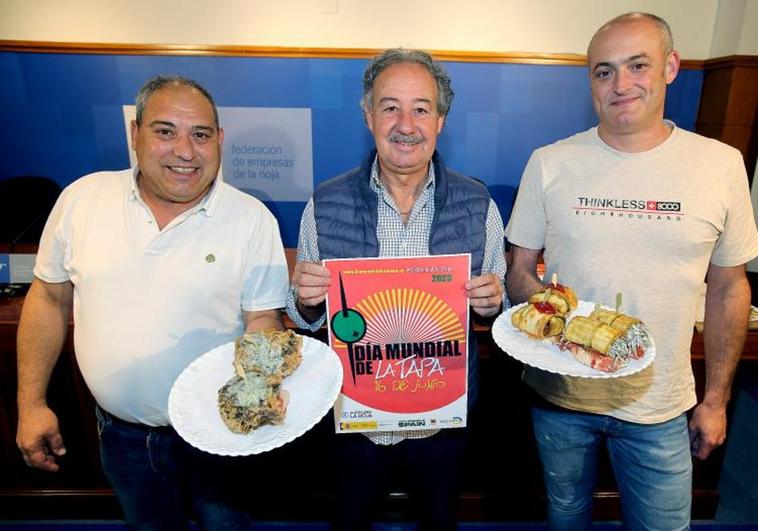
[[348, 326]]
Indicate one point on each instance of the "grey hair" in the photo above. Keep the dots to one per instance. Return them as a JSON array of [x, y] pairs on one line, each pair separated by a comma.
[[663, 28], [395, 56], [157, 83]]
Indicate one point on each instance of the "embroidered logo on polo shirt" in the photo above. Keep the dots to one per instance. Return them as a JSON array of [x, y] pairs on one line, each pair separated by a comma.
[[210, 258]]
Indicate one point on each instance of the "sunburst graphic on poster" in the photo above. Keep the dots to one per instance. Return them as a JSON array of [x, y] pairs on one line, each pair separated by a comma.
[[400, 327], [407, 315]]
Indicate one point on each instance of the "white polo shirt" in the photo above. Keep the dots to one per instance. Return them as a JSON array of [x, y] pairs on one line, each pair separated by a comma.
[[147, 302]]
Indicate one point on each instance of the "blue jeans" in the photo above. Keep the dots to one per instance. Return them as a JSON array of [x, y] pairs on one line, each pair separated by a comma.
[[158, 478], [652, 464]]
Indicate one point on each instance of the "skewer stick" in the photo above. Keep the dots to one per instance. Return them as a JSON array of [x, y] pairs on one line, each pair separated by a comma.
[[554, 279], [618, 301]]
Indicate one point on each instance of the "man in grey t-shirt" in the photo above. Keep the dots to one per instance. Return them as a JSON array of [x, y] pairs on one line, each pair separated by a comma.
[[640, 207]]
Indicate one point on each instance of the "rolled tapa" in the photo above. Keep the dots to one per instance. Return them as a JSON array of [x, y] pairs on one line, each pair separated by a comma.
[[595, 344], [617, 320], [539, 321], [561, 297], [591, 333], [633, 330]]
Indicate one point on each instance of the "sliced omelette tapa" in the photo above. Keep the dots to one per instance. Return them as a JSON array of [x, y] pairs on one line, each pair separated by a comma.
[[249, 402], [274, 354]]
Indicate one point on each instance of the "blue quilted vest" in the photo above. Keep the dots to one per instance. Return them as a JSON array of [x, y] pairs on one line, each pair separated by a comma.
[[345, 208]]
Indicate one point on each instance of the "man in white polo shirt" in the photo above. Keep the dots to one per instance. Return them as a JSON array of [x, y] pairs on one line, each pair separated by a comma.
[[160, 264]]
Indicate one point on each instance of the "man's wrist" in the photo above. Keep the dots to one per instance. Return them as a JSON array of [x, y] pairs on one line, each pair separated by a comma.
[[716, 400], [489, 317], [310, 313], [31, 404]]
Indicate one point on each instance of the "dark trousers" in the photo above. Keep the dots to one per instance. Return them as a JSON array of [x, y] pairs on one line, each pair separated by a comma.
[[158, 477], [431, 466]]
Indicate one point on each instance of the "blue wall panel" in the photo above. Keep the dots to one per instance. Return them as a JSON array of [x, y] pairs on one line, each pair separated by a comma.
[[63, 116]]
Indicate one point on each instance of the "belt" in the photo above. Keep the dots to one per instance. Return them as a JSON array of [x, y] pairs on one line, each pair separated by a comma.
[[132, 425]]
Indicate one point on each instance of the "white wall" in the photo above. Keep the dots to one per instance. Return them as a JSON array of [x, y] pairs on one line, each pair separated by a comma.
[[753, 264], [548, 26], [749, 34], [736, 28]]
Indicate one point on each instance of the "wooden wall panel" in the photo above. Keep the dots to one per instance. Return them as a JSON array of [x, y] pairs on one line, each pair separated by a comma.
[[729, 105], [284, 51]]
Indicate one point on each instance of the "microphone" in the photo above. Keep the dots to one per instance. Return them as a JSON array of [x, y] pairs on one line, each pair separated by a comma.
[[25, 231]]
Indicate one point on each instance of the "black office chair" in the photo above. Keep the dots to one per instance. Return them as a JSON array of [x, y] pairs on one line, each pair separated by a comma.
[[25, 203]]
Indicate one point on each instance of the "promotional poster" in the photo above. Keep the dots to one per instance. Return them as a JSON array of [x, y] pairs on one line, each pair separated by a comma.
[[400, 328]]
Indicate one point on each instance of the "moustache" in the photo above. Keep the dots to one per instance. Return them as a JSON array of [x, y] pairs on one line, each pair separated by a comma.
[[406, 139]]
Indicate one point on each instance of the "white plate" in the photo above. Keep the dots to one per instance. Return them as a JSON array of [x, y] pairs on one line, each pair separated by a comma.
[[193, 402], [548, 357]]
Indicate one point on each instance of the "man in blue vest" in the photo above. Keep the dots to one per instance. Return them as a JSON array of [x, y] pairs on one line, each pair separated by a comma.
[[402, 201]]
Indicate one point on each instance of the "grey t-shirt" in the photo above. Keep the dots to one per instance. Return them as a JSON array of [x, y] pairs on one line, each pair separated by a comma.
[[644, 224]]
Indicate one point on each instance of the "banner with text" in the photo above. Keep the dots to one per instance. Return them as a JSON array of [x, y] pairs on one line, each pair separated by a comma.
[[400, 328], [267, 152], [17, 268]]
